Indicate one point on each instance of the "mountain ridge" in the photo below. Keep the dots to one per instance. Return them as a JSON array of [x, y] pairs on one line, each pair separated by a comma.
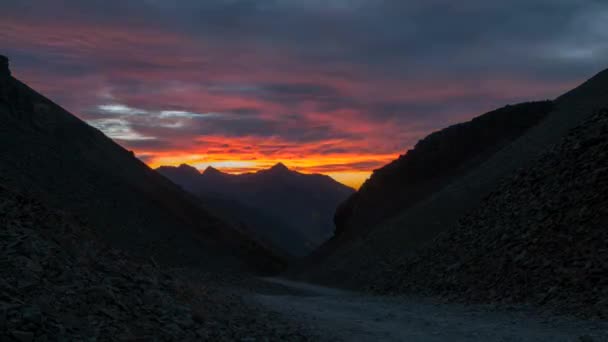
[[434, 160], [277, 192]]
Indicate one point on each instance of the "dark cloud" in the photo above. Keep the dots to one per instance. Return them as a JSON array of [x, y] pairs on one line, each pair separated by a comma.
[[291, 127], [410, 35]]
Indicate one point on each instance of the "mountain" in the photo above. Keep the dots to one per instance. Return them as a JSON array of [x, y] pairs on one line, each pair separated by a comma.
[[284, 240], [539, 238], [294, 210], [359, 254], [69, 165], [433, 163]]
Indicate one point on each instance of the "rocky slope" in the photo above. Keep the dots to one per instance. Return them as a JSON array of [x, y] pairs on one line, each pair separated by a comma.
[[295, 210], [541, 237], [362, 260], [59, 283], [72, 166], [432, 163]]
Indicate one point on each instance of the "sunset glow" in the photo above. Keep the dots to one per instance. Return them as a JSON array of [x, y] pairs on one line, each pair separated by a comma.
[[342, 168], [317, 87]]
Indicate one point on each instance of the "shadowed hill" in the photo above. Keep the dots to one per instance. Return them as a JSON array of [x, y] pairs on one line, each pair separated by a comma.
[[434, 161], [46, 151], [361, 259], [540, 237], [295, 210]]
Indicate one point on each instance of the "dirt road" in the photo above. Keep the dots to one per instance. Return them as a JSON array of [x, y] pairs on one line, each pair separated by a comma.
[[348, 316]]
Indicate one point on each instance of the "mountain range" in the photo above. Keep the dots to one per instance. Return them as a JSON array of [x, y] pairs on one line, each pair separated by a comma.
[[292, 210]]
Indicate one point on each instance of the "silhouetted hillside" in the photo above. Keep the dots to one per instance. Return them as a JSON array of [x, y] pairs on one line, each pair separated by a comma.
[[295, 209], [356, 259], [541, 237], [433, 162], [72, 166]]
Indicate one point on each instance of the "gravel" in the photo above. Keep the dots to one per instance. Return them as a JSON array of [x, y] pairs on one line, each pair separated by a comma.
[[540, 238], [58, 282]]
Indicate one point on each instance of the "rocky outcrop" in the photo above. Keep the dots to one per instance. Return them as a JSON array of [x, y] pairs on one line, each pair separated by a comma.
[[540, 238]]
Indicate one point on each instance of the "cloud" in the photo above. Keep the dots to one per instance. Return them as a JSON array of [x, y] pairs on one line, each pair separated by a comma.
[[121, 109], [185, 114], [118, 129], [297, 79]]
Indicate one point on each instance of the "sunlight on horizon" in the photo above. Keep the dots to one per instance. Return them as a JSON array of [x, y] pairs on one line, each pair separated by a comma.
[[353, 179]]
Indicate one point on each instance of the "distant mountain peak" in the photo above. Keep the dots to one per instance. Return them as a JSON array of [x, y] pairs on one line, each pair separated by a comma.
[[186, 167], [183, 169], [210, 170], [279, 167]]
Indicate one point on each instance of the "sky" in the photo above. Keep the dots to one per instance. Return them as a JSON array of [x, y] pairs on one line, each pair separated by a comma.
[[336, 87]]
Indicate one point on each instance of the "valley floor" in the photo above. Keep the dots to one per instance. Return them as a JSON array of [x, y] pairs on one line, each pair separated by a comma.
[[349, 316]]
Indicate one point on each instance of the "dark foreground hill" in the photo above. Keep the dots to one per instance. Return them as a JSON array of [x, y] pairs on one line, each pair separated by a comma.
[[292, 210], [69, 165], [358, 260], [541, 237], [58, 282]]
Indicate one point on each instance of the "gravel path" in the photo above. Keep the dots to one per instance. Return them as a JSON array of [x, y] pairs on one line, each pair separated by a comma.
[[349, 316]]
